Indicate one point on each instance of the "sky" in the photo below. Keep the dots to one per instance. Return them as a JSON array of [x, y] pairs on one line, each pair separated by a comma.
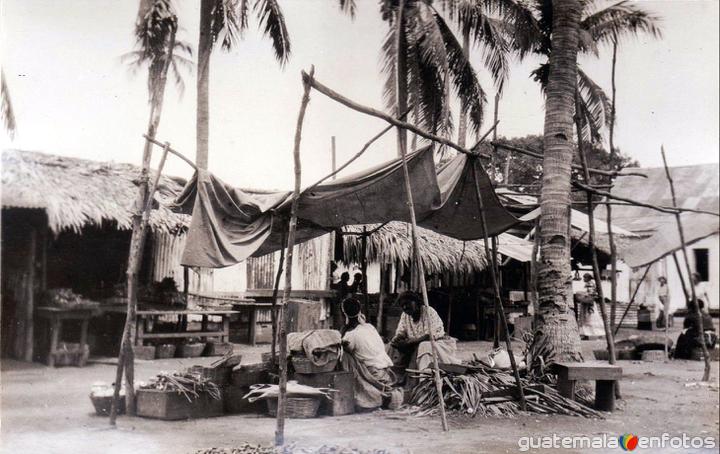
[[74, 96]]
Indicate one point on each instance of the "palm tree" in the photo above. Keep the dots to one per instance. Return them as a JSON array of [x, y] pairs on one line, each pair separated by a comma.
[[532, 27], [155, 31], [421, 47], [556, 321], [6, 109], [224, 22]]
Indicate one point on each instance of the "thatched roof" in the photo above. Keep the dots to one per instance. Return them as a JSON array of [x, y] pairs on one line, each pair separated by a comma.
[[77, 192], [393, 242]]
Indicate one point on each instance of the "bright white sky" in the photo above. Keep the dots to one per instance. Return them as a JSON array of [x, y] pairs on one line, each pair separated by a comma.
[[72, 95]]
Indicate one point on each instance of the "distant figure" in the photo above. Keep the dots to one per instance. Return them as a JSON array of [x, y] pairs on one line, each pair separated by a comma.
[[343, 287], [663, 295], [702, 292], [357, 284], [590, 287], [589, 321]]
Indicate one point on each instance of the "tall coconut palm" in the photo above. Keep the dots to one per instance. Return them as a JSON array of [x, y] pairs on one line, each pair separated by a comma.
[[430, 61], [556, 321], [224, 22], [532, 28], [6, 109], [155, 32]]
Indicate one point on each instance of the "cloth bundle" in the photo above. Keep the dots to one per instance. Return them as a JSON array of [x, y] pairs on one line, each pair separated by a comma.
[[320, 345]]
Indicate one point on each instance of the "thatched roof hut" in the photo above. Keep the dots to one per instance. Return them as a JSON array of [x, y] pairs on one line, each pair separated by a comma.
[[393, 244], [77, 192]]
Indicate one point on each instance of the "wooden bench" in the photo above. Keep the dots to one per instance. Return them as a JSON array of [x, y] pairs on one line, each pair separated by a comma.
[[605, 375]]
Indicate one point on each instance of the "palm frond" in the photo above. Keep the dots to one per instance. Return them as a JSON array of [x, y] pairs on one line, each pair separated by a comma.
[[6, 107], [526, 32], [272, 22], [464, 80], [623, 19], [595, 102], [388, 61], [348, 7], [226, 23], [243, 13], [488, 33]]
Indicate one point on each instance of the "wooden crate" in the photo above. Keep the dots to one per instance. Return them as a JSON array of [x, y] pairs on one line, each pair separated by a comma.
[[343, 402], [171, 405], [250, 374]]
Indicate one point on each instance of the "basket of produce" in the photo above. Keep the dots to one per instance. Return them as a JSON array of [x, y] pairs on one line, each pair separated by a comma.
[[101, 396], [220, 375], [302, 401], [305, 365], [165, 351], [297, 407], [179, 395], [190, 349]]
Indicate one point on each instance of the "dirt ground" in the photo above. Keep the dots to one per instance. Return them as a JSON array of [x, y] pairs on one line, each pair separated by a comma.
[[48, 410]]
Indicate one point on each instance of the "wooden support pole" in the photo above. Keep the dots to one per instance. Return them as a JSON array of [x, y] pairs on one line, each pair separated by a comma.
[[388, 118], [591, 239], [613, 270], [30, 298], [363, 269], [632, 299], [680, 276], [681, 232], [282, 323], [496, 288], [273, 308]]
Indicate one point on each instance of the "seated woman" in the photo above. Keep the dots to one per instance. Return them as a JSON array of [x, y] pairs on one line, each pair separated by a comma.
[[365, 356], [411, 347], [689, 338]]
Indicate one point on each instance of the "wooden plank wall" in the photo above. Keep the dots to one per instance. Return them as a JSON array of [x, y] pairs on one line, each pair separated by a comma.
[[261, 272]]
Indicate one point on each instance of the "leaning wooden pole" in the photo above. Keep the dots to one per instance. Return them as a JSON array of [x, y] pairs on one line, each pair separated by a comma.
[[401, 96], [137, 241], [591, 240], [681, 232], [632, 300], [282, 323], [273, 308], [613, 269], [496, 287]]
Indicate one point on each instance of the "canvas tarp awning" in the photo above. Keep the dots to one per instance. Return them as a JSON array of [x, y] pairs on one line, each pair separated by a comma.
[[666, 239], [580, 221], [230, 224]]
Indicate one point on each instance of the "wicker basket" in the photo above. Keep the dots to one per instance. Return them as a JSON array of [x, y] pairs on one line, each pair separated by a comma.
[[303, 365], [102, 404], [165, 351], [297, 407]]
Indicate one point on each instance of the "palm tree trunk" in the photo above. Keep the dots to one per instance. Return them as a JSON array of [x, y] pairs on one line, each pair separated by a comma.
[[556, 320], [462, 125], [402, 85], [203, 85]]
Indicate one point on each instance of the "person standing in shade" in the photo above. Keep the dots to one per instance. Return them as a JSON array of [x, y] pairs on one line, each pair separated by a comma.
[[663, 294]]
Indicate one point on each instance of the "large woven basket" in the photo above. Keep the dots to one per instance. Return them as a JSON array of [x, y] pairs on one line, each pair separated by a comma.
[[297, 407], [304, 365]]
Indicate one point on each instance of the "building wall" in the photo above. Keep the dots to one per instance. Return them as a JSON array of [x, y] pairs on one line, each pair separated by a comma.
[[666, 267]]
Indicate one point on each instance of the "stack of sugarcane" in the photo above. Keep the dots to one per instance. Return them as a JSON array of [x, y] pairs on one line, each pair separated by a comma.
[[491, 392], [188, 383]]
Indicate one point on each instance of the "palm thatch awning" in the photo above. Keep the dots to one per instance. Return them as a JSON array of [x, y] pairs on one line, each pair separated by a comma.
[[440, 253], [77, 192]]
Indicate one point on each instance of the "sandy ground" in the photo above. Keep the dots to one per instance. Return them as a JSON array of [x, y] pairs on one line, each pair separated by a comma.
[[48, 410]]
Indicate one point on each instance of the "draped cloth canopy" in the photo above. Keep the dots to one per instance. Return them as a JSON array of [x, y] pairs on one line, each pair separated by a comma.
[[231, 224]]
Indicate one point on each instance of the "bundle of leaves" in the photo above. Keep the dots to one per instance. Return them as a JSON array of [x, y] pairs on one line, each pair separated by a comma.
[[188, 383]]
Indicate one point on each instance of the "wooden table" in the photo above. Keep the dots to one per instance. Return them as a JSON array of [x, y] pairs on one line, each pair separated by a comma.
[[605, 375], [56, 316], [223, 334]]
